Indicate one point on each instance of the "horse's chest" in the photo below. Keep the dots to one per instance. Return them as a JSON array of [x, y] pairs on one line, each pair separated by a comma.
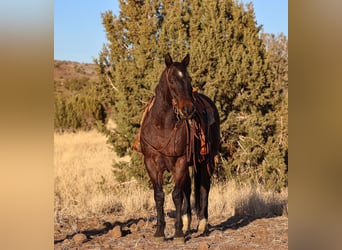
[[175, 138], [167, 141]]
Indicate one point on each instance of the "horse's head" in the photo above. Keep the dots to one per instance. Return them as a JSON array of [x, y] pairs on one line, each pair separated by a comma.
[[179, 84]]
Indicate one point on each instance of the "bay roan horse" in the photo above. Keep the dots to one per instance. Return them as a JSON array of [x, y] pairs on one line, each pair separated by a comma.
[[180, 128]]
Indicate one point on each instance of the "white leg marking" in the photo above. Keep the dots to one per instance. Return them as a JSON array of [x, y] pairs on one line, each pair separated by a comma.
[[186, 223], [202, 226]]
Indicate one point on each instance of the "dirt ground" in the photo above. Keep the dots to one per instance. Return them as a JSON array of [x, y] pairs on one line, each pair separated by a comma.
[[113, 232]]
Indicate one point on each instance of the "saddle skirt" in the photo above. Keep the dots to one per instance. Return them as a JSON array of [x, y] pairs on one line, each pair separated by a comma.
[[205, 118]]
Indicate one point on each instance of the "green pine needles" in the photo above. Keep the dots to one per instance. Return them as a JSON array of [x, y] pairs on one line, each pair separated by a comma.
[[243, 70]]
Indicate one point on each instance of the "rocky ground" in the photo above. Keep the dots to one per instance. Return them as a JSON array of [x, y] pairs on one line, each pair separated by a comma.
[[112, 232]]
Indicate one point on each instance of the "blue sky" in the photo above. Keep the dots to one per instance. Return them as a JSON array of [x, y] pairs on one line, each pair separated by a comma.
[[79, 34]]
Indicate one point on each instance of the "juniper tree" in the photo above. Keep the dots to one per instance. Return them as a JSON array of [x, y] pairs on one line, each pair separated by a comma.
[[228, 62], [277, 56], [232, 69]]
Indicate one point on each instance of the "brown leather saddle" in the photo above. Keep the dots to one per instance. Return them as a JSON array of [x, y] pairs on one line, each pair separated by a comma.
[[205, 119]]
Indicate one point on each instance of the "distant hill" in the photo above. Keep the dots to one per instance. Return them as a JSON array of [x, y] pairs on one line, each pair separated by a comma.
[[66, 70], [79, 103]]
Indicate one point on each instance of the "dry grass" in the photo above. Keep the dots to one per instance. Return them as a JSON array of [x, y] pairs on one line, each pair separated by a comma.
[[247, 200], [85, 185], [84, 181], [82, 167]]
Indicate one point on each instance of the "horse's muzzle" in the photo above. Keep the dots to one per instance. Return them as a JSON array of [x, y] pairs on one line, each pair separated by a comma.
[[187, 111]]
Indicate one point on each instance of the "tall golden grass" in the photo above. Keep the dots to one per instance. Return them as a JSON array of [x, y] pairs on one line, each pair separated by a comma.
[[85, 186]]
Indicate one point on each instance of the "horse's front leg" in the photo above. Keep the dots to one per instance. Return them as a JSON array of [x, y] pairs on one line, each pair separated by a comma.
[[186, 213], [177, 197], [181, 173], [159, 200], [156, 176]]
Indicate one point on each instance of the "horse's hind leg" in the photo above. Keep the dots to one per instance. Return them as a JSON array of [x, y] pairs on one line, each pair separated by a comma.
[[202, 188]]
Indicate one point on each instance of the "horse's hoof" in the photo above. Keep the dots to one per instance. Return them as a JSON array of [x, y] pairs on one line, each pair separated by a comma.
[[159, 239], [179, 240]]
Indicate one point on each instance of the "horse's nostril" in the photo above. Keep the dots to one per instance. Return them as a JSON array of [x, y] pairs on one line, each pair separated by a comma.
[[191, 109], [187, 110]]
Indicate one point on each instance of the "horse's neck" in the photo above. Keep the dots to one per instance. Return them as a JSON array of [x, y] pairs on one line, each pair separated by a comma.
[[162, 109]]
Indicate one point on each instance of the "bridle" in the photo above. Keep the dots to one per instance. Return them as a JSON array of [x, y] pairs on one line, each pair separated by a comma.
[[173, 100]]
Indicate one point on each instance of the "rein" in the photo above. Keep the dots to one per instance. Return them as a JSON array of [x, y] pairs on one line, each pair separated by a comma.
[[173, 100]]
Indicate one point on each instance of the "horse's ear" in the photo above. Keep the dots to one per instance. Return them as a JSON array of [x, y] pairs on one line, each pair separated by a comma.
[[186, 60], [168, 60]]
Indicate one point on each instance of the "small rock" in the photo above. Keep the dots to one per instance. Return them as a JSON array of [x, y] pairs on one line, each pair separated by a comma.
[[116, 232], [217, 238], [137, 227], [141, 223], [203, 246], [79, 238], [106, 245], [134, 228]]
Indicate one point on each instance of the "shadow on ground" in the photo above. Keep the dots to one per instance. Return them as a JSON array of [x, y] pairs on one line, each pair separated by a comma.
[[245, 214], [107, 226], [251, 210]]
